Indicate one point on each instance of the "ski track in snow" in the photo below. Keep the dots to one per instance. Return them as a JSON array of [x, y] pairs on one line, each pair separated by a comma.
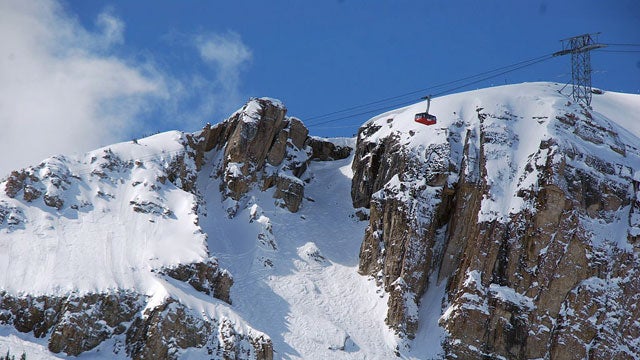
[[311, 306]]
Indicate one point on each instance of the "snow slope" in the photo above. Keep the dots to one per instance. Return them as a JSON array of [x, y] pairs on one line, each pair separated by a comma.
[[623, 109], [309, 298], [524, 112], [97, 241]]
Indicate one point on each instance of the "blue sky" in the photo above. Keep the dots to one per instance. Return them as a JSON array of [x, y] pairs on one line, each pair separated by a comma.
[[148, 66]]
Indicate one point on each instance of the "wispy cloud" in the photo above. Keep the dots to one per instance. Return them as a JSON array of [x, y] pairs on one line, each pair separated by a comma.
[[224, 50], [112, 28], [228, 56], [59, 90], [65, 89]]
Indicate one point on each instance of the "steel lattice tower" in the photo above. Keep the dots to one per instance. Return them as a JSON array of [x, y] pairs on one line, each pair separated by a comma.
[[580, 49]]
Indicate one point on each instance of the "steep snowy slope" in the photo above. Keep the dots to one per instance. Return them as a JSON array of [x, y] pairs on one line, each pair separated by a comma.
[[302, 289], [114, 217]]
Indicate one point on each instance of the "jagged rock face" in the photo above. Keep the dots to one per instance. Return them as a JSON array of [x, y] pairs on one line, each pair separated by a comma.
[[206, 277], [290, 190], [263, 148], [76, 324], [162, 332], [407, 198], [325, 150], [534, 282], [46, 179], [79, 329], [535, 272], [249, 144]]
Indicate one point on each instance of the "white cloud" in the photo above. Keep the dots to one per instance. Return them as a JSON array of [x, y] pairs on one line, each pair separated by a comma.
[[112, 27], [59, 92], [228, 55], [63, 91], [228, 51]]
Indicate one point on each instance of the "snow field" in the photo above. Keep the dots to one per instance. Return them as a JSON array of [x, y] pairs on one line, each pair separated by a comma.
[[105, 244]]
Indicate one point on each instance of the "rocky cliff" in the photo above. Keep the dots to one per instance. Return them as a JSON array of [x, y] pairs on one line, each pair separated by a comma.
[[526, 206]]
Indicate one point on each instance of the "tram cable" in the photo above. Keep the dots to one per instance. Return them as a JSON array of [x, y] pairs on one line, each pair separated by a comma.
[[493, 73], [310, 119]]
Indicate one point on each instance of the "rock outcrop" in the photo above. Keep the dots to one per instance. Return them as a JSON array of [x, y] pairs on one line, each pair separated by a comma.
[[532, 267], [206, 277], [262, 148], [161, 333], [74, 323], [325, 150], [48, 180], [78, 323], [539, 257]]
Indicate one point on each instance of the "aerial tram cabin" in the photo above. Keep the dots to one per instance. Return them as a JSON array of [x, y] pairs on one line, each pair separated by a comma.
[[424, 117]]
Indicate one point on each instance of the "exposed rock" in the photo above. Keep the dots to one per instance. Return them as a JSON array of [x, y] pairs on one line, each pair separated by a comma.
[[170, 327], [10, 216], [110, 161], [604, 309], [326, 150], [261, 148], [87, 321], [298, 133], [149, 207], [182, 170], [246, 150], [30, 314], [75, 323], [15, 183], [407, 200], [291, 191], [162, 331], [206, 277], [31, 193], [50, 178], [53, 201], [362, 214], [279, 148], [368, 177]]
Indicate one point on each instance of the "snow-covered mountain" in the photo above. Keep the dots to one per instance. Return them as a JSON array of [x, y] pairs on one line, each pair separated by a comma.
[[509, 229], [523, 206]]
